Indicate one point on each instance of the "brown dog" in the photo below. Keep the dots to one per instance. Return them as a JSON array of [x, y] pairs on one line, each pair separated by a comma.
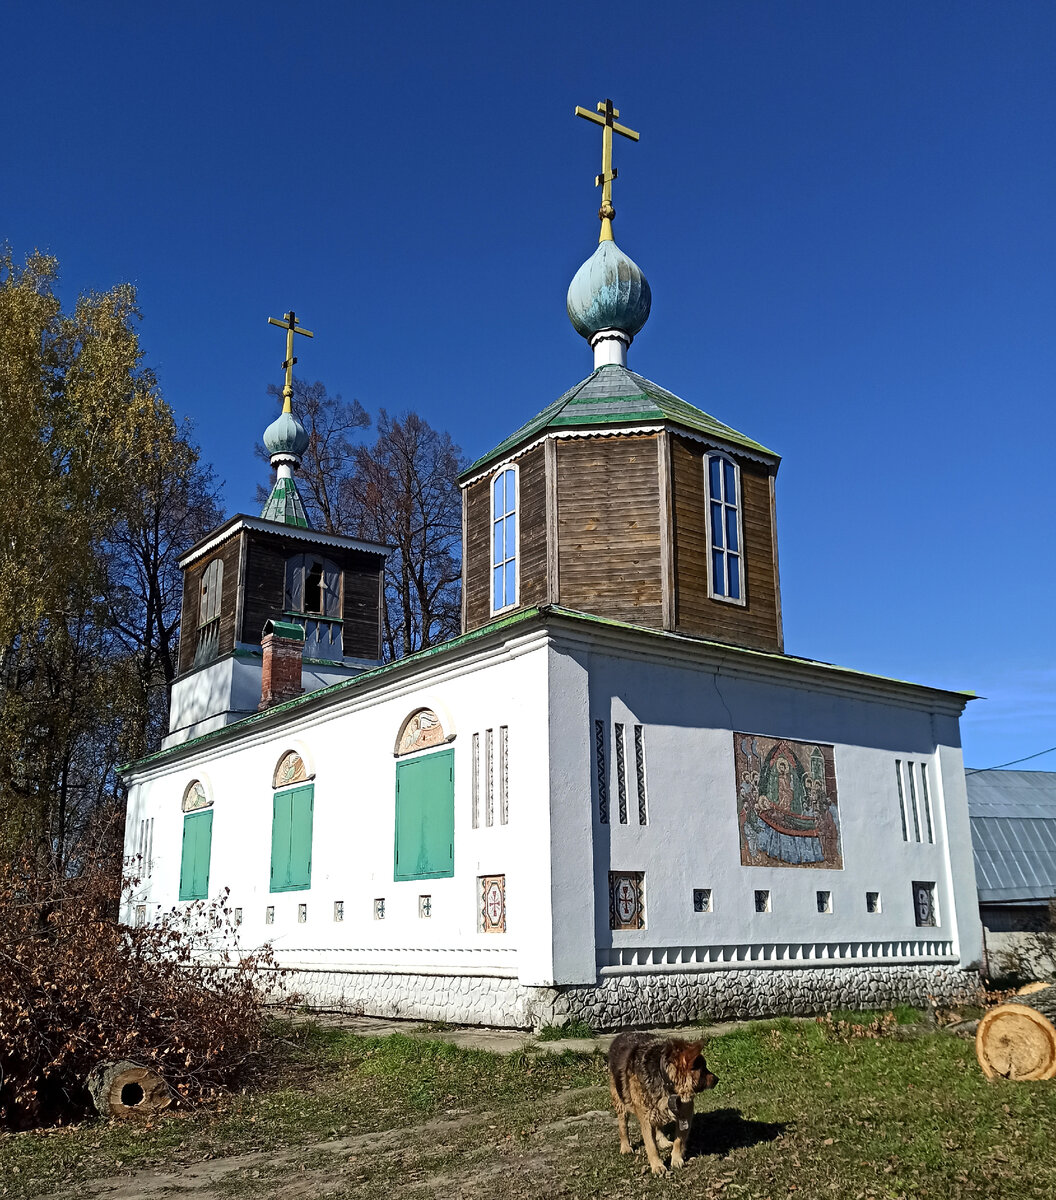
[[656, 1081]]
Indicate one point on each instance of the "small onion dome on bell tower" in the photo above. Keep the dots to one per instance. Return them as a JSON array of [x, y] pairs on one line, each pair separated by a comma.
[[286, 439], [608, 302]]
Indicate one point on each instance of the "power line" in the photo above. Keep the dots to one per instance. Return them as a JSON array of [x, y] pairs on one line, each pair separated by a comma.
[[1000, 766]]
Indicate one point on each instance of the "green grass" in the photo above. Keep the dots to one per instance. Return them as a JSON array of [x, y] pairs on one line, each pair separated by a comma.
[[568, 1029], [799, 1110]]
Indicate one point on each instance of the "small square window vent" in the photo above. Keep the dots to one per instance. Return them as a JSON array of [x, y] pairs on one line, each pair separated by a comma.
[[269, 915], [702, 899], [762, 900], [379, 909], [824, 902], [339, 910], [302, 913], [425, 906], [872, 902]]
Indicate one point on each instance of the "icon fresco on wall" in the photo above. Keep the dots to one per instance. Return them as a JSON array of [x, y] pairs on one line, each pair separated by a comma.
[[787, 808], [420, 731]]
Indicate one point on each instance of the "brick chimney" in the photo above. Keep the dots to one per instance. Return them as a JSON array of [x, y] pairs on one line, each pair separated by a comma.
[[283, 646]]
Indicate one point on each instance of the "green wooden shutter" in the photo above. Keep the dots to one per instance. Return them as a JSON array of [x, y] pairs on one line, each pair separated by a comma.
[[301, 804], [425, 817], [291, 839], [187, 861], [203, 852], [197, 853]]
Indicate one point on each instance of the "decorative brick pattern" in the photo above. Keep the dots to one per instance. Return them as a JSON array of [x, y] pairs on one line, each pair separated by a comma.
[[621, 773], [603, 779], [639, 769]]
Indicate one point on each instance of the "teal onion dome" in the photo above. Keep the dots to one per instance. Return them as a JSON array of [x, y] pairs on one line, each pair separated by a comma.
[[286, 435], [608, 291]]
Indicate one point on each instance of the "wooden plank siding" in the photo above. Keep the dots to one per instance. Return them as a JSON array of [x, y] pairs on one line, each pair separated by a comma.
[[608, 519], [531, 549], [228, 553], [265, 585], [757, 622]]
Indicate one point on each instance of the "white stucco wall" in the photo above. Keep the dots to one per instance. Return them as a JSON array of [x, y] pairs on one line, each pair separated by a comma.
[[227, 690], [349, 747], [548, 687], [689, 708]]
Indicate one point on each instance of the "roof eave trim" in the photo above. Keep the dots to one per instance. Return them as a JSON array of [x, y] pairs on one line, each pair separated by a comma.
[[279, 529], [487, 466]]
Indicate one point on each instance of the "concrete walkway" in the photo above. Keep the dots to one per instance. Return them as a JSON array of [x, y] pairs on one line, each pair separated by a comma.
[[498, 1041]]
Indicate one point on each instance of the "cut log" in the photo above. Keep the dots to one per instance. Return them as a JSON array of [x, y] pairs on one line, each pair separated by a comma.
[[1017, 1039], [125, 1089]]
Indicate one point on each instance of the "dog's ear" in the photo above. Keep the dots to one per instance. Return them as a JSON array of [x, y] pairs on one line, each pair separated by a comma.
[[690, 1054]]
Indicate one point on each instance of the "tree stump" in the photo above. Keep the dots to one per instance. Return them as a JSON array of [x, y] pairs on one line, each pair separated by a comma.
[[125, 1089], [1017, 1039]]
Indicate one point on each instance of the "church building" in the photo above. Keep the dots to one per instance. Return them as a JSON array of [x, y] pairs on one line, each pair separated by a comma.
[[613, 797]]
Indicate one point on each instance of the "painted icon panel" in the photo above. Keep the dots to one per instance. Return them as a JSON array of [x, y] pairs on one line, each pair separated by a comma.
[[787, 808]]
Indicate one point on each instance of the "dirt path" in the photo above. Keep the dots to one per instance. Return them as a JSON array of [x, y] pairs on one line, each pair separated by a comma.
[[459, 1155]]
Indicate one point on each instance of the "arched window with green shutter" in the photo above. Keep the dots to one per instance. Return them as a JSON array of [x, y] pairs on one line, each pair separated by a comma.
[[293, 804], [425, 800], [197, 842]]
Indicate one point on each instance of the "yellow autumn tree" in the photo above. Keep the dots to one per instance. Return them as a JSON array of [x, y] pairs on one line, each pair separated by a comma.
[[88, 445]]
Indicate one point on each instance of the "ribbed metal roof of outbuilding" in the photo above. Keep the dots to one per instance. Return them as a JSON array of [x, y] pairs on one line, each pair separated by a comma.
[[1013, 819]]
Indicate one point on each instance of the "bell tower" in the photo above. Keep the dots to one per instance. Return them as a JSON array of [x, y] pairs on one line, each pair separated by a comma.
[[272, 570]]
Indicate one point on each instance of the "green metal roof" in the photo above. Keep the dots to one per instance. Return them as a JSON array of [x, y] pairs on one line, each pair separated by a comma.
[[614, 396], [285, 505]]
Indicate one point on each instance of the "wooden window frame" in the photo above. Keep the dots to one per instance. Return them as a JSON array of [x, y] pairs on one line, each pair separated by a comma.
[[515, 468], [740, 601]]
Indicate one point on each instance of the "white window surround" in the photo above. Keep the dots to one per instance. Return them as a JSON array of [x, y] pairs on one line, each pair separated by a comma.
[[738, 554], [496, 605]]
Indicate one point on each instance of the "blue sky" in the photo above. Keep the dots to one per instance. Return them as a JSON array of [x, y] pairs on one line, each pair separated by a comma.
[[846, 212]]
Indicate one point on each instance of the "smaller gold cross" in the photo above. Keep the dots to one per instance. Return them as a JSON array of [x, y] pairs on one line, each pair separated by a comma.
[[607, 121], [289, 323]]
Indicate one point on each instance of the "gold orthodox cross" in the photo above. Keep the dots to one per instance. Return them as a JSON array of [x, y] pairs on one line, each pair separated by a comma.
[[289, 323], [607, 121]]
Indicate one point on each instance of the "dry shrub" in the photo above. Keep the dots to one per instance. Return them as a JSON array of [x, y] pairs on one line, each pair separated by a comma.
[[77, 988]]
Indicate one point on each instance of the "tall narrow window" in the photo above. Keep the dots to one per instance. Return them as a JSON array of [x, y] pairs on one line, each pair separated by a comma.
[[901, 799], [724, 529], [504, 539], [293, 802], [197, 842], [913, 804], [207, 646], [927, 799], [504, 775]]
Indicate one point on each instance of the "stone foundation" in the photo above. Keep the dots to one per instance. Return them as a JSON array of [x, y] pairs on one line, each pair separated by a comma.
[[669, 998]]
